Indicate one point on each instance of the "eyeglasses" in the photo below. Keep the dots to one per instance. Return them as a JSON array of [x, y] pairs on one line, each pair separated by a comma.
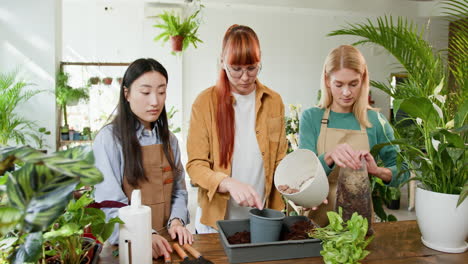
[[237, 72]]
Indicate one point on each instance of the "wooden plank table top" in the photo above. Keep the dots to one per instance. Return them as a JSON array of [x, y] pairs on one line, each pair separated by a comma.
[[394, 242]]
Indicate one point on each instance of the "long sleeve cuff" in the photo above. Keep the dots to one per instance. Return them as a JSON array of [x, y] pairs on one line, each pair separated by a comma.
[[395, 181], [327, 169], [214, 183]]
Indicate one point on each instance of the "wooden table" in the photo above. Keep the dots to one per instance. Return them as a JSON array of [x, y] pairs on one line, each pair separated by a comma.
[[394, 242]]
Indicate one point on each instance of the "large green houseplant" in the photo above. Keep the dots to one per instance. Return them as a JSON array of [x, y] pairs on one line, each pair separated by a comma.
[[36, 215], [14, 93], [181, 31], [435, 98]]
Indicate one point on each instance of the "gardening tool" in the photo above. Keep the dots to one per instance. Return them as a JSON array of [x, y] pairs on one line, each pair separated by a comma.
[[183, 255], [197, 254], [167, 260]]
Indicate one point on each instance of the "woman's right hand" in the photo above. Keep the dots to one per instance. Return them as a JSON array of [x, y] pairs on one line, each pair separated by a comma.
[[243, 194], [160, 247], [344, 156]]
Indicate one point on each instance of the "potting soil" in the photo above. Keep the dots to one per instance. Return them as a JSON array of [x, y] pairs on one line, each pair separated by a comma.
[[354, 194]]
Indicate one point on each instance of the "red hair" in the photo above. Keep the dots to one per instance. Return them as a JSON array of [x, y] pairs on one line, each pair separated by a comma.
[[240, 47]]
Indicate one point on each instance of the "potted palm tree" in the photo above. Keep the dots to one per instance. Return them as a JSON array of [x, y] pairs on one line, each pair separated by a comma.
[[67, 95], [181, 31], [435, 98], [13, 93]]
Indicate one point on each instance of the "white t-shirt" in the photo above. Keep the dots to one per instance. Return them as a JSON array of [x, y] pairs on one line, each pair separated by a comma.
[[247, 161]]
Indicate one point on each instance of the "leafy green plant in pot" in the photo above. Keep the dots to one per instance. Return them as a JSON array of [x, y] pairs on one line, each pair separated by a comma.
[[67, 239], [94, 80], [14, 93], [435, 98], [38, 137], [37, 194], [181, 31], [66, 95]]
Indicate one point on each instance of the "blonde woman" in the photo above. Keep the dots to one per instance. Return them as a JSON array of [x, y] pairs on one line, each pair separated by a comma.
[[344, 127]]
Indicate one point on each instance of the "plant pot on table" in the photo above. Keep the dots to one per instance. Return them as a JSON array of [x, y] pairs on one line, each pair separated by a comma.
[[265, 225]]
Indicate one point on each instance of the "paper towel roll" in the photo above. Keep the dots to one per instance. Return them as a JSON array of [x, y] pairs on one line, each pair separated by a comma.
[[135, 234]]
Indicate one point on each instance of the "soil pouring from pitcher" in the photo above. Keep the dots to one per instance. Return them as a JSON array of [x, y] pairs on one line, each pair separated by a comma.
[[196, 254]]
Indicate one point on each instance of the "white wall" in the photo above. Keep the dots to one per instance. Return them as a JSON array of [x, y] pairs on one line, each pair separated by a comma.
[[292, 35], [117, 31], [30, 42], [294, 45]]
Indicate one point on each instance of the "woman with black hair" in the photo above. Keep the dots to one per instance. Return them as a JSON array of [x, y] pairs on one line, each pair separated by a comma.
[[137, 151]]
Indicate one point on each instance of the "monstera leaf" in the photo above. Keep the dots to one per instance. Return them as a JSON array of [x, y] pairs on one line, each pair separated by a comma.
[[41, 189]]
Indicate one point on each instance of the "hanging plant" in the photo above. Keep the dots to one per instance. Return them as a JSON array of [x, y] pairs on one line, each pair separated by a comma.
[[94, 80], [107, 80], [182, 32], [66, 95]]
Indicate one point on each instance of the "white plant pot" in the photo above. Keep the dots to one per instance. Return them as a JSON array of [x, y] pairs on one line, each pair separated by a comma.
[[443, 225]]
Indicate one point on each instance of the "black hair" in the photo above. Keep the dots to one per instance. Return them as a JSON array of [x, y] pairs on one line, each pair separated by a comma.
[[126, 122]]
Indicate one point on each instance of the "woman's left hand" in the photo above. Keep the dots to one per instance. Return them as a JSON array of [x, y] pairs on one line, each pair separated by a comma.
[[383, 173], [177, 229], [372, 167]]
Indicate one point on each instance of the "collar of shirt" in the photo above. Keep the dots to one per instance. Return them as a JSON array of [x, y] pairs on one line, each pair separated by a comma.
[[145, 135]]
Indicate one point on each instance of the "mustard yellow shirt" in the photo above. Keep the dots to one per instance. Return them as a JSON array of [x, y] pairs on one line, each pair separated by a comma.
[[203, 164]]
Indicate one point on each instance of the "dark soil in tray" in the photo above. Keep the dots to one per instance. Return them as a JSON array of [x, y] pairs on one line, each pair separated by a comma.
[[239, 238], [298, 231]]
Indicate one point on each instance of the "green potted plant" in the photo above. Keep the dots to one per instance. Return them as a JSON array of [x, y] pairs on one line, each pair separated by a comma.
[[34, 200], [181, 31], [94, 80], [38, 137], [86, 133], [72, 237], [66, 95], [14, 93], [435, 98], [170, 115]]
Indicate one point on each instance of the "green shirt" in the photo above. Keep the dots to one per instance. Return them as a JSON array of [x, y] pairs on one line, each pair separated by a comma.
[[380, 132]]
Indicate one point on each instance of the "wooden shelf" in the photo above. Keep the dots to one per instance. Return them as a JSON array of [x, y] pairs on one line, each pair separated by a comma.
[[64, 143]]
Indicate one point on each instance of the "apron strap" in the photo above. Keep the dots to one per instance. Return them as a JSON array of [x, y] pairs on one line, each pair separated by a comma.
[[323, 131]]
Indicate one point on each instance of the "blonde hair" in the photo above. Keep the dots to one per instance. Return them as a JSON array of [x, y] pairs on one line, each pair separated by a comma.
[[347, 57]]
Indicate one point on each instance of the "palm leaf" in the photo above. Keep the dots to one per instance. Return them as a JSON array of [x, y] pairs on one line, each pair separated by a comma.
[[13, 94], [405, 42]]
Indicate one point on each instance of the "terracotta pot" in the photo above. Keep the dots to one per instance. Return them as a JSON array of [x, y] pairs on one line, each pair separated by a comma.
[[107, 80], [176, 42]]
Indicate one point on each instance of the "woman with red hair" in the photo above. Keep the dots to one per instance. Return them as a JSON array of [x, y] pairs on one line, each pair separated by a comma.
[[236, 137]]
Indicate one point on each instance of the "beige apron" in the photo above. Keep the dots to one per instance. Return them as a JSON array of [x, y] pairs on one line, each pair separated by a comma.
[[157, 191], [328, 139]]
